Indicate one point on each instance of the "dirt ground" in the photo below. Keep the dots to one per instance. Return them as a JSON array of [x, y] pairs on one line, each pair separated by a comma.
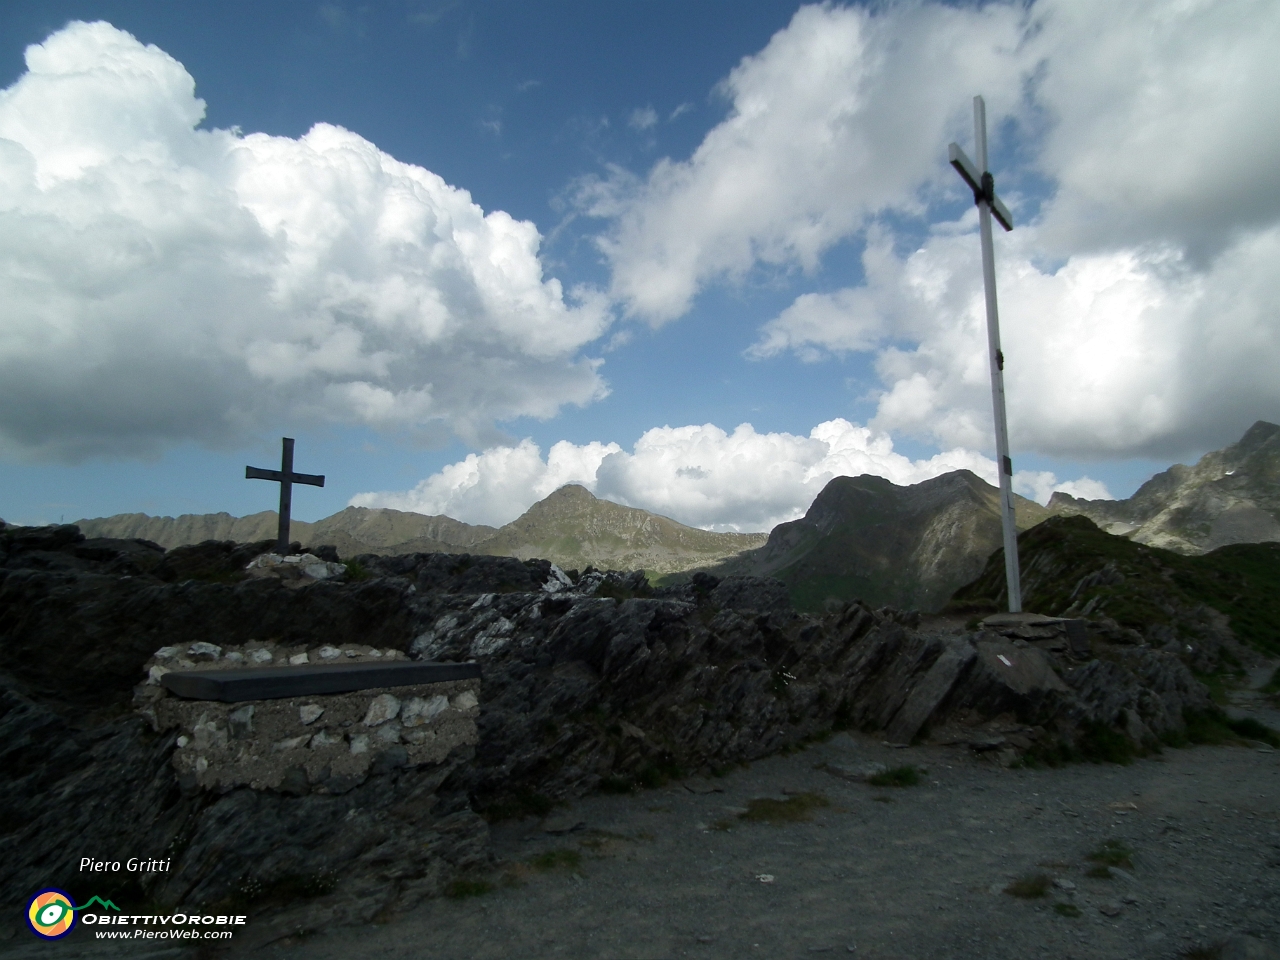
[[902, 872], [877, 872]]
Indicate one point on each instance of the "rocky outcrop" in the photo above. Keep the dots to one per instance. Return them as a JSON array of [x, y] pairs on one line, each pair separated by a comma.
[[1201, 608], [598, 681]]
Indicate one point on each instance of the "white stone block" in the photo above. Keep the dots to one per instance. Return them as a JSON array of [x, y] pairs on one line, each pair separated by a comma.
[[309, 713], [383, 708]]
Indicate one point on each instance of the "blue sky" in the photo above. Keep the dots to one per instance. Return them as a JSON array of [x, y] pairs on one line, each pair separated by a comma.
[[583, 242]]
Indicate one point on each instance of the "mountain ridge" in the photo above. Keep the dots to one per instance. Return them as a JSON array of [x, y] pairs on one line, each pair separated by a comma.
[[571, 527], [1229, 496], [868, 538]]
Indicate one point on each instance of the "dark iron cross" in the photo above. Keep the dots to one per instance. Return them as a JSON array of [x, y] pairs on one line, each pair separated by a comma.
[[286, 478], [982, 183]]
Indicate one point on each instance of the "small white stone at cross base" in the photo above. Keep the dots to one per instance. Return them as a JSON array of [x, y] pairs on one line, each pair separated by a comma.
[[309, 713], [383, 708], [202, 648], [328, 652], [298, 659]]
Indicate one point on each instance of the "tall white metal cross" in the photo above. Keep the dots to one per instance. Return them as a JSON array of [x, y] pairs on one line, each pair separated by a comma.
[[979, 178]]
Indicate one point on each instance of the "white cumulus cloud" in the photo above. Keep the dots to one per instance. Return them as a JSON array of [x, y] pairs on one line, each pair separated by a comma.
[[1107, 354], [742, 481], [1137, 303], [161, 283], [1163, 123], [840, 117]]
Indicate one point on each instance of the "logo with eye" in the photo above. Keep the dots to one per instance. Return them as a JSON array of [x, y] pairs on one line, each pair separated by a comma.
[[51, 914]]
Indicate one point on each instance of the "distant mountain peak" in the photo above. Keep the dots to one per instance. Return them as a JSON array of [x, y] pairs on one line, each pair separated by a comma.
[[571, 491], [1231, 495]]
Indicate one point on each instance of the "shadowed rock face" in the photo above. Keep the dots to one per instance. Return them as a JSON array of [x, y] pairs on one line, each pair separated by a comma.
[[602, 682], [868, 539], [1230, 496]]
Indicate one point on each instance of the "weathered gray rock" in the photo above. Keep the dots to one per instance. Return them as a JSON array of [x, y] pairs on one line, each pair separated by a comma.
[[605, 682], [923, 699]]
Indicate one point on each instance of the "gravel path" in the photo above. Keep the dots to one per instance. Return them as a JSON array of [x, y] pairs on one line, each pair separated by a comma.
[[904, 872]]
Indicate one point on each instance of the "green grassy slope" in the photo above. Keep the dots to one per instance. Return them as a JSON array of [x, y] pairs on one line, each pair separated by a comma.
[[1072, 568]]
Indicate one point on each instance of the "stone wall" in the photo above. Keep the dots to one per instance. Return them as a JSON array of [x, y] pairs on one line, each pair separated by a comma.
[[300, 745]]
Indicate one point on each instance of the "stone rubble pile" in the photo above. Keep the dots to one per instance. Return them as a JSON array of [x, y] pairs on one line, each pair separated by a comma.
[[298, 569]]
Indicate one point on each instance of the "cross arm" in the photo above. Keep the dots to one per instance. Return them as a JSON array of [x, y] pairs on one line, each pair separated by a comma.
[[982, 185], [257, 473]]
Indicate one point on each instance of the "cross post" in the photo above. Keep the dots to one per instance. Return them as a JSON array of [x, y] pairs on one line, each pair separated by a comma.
[[983, 184], [286, 478]]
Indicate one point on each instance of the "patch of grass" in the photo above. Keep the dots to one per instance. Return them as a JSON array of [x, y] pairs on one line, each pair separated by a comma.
[[357, 571], [906, 776], [561, 859], [1251, 729], [461, 888], [1207, 727], [1030, 886], [1212, 951], [794, 809], [524, 803], [1220, 683], [1098, 743], [617, 784], [1112, 853], [618, 592], [1066, 909]]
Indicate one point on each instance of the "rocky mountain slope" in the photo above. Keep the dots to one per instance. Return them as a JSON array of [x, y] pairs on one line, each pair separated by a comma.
[[571, 528], [866, 538], [1193, 605], [1230, 496], [574, 529], [351, 531]]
